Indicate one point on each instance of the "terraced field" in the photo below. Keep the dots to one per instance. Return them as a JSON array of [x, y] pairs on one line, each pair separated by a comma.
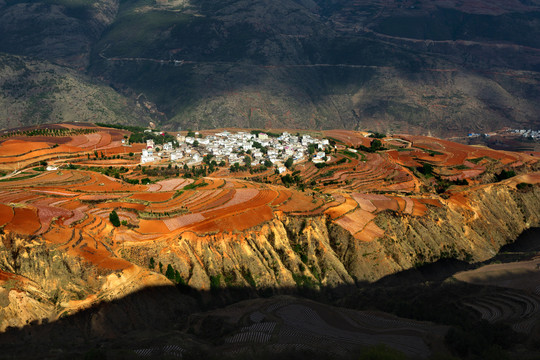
[[213, 229], [287, 323], [82, 200]]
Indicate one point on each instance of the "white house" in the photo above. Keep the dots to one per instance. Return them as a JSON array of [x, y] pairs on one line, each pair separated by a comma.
[[177, 155], [262, 136], [149, 144], [147, 156]]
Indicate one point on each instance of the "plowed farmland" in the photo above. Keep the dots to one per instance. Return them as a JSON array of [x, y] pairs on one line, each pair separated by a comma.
[[91, 202]]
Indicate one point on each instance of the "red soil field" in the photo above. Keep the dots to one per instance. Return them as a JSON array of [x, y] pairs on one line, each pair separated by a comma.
[[25, 221], [6, 214], [182, 221], [236, 220], [12, 147], [350, 138], [283, 196], [299, 203], [58, 235], [152, 227], [121, 205], [369, 233], [342, 209], [153, 197], [355, 221], [82, 200]]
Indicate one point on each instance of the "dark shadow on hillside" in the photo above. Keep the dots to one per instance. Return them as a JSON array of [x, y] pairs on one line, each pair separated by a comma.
[[157, 317], [160, 317]]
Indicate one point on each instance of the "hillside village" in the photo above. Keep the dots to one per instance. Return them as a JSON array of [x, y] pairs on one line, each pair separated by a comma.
[[233, 148]]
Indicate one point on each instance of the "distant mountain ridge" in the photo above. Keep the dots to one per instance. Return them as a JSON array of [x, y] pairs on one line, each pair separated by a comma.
[[425, 66]]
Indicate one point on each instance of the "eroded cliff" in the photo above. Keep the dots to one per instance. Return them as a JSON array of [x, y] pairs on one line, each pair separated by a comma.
[[291, 251]]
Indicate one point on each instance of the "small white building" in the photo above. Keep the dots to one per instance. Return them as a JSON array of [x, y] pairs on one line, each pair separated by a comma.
[[177, 155], [262, 136], [168, 146], [51, 168], [149, 144], [147, 156], [282, 169]]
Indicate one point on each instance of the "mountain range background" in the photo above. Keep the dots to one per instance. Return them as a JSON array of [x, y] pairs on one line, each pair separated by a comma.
[[423, 67]]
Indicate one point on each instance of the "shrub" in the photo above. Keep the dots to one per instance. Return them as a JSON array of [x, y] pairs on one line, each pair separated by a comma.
[[113, 217]]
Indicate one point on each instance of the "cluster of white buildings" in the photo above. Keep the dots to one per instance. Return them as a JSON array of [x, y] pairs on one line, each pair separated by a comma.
[[233, 147], [535, 134]]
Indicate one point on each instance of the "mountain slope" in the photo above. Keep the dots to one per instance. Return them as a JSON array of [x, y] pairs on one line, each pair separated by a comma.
[[447, 67], [34, 92]]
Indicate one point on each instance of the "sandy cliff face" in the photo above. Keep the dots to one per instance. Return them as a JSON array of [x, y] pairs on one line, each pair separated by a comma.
[[281, 255], [311, 251], [40, 282]]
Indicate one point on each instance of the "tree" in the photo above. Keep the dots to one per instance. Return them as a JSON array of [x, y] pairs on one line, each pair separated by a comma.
[[376, 144], [289, 163], [113, 218], [152, 263], [247, 161], [170, 273]]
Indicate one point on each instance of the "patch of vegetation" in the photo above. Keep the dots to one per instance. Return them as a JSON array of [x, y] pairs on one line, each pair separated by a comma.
[[271, 134], [478, 159], [349, 154], [429, 151], [426, 169], [504, 174], [19, 178], [49, 132], [114, 219], [376, 145], [249, 278], [524, 186], [304, 281], [376, 135], [195, 185]]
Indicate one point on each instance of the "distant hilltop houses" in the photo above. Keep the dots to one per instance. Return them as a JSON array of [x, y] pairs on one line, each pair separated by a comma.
[[535, 134], [233, 148], [531, 134]]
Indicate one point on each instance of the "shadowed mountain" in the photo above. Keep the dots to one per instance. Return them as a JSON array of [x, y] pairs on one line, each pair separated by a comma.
[[444, 67], [34, 92]]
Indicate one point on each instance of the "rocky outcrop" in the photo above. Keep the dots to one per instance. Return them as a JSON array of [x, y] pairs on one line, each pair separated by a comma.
[[39, 282], [313, 252]]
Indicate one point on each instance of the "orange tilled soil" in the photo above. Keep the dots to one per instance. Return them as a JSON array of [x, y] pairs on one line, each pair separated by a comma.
[[71, 207]]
